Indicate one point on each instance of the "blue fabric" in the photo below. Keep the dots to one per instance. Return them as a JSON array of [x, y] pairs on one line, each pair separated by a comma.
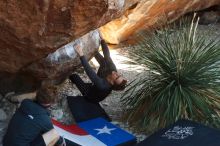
[[184, 133], [114, 135]]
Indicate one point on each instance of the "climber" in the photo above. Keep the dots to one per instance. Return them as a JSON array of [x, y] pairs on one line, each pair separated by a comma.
[[106, 80], [31, 124]]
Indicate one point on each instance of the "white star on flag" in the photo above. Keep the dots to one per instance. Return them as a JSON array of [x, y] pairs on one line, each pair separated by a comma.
[[105, 129]]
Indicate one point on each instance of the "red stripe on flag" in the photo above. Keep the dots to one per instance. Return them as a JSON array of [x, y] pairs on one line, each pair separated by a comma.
[[74, 129]]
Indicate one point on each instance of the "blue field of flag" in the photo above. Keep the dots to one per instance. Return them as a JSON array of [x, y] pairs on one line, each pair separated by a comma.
[[106, 132]]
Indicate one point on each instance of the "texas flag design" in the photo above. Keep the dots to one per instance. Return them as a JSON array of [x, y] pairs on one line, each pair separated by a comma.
[[95, 132]]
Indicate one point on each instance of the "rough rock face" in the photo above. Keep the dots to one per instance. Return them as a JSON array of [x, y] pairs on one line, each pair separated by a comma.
[[55, 67], [147, 13], [59, 64], [33, 33], [31, 29]]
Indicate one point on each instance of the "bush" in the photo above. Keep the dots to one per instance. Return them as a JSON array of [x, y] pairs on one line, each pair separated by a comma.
[[182, 81]]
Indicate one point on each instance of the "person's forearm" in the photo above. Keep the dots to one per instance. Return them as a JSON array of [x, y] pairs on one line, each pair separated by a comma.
[[90, 72], [105, 48], [51, 137]]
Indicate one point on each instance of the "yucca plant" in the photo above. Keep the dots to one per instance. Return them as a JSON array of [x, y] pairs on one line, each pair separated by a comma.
[[181, 79]]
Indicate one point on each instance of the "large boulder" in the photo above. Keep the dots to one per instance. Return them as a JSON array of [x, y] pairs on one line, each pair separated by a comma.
[[59, 64], [148, 13], [30, 30], [33, 33], [53, 68]]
